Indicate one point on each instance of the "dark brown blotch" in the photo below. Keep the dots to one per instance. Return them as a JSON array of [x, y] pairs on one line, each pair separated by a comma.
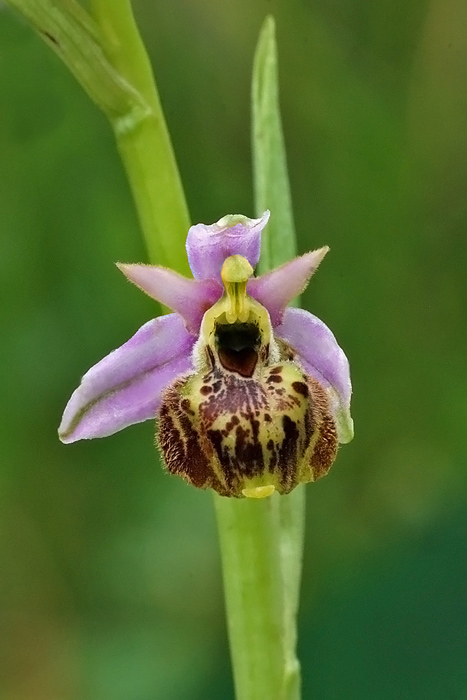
[[248, 451], [300, 388], [274, 378], [210, 357], [185, 405], [288, 451]]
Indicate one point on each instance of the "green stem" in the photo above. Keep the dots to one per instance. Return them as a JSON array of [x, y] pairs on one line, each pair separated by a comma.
[[260, 554], [143, 139], [292, 536], [250, 556]]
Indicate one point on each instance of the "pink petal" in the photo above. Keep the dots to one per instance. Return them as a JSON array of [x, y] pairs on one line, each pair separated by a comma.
[[208, 246], [188, 297], [321, 356], [125, 387], [276, 289]]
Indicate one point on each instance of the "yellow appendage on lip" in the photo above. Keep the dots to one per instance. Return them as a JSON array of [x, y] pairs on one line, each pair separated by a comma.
[[259, 491]]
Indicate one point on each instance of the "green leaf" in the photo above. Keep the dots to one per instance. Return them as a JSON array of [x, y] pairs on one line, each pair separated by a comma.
[[271, 182], [272, 191]]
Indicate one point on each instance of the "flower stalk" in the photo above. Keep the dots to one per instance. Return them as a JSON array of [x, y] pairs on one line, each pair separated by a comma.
[[251, 563], [143, 139]]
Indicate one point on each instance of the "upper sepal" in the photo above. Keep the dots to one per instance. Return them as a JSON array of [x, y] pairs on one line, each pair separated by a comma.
[[207, 247]]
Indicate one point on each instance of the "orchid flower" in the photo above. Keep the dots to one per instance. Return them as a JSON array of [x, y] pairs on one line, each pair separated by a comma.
[[251, 396]]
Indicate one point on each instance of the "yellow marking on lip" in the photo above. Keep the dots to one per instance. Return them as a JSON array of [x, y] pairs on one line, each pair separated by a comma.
[[235, 306], [259, 491]]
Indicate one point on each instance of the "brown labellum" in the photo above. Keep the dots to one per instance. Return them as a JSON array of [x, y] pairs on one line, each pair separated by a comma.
[[230, 432]]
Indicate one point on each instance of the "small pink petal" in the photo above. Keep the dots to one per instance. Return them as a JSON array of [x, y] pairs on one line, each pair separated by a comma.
[[276, 289], [125, 387], [188, 297]]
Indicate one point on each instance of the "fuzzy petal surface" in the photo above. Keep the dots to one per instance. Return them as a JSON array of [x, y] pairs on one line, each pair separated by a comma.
[[322, 357], [207, 247], [188, 297], [276, 289], [125, 386]]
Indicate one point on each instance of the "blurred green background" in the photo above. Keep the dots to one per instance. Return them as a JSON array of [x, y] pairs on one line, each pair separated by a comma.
[[109, 570]]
